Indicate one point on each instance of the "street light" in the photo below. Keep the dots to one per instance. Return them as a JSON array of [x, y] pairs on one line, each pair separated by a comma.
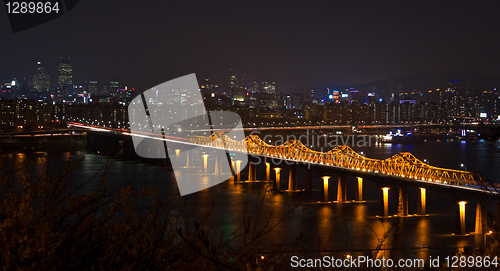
[[464, 167]]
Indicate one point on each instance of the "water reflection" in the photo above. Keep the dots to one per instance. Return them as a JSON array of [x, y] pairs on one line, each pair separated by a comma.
[[422, 235], [325, 225]]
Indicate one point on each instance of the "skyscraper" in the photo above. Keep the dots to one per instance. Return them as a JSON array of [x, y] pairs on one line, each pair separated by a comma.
[[65, 80], [233, 79], [43, 78]]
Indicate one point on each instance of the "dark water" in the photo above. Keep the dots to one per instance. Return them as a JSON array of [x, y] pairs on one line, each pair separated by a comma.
[[332, 228]]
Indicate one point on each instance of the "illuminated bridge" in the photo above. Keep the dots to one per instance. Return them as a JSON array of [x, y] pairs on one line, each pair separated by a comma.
[[403, 164], [401, 170]]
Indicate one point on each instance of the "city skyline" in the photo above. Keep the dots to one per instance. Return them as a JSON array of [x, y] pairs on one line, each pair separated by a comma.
[[420, 82]]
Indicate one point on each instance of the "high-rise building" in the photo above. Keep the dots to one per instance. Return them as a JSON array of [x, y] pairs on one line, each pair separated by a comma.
[[354, 95], [233, 79], [64, 80], [42, 78], [326, 93], [253, 93], [114, 86], [311, 93], [239, 96], [92, 87], [336, 96], [65, 74], [269, 88]]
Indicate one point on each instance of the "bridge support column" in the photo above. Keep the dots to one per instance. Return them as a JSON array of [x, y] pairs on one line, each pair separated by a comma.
[[292, 178], [461, 218], [250, 171], [238, 173], [268, 172], [308, 187], [189, 163], [218, 169], [326, 180], [277, 181], [231, 168], [358, 195], [177, 154], [341, 189], [480, 227], [252, 177], [384, 202], [205, 163], [403, 201], [421, 208]]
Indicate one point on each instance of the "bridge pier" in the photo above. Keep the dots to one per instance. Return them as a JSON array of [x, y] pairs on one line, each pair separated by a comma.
[[189, 160], [384, 202], [421, 207], [358, 195], [292, 178], [461, 218], [218, 166], [231, 169], [205, 163], [238, 173], [481, 219], [268, 172], [277, 181], [251, 172], [341, 189], [177, 154], [326, 180], [403, 201]]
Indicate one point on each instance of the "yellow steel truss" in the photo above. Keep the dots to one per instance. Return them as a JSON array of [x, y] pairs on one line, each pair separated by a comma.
[[402, 164]]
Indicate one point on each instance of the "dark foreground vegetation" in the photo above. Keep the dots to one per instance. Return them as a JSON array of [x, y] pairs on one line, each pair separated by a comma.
[[46, 225]]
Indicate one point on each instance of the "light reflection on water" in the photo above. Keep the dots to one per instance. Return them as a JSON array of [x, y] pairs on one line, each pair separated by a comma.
[[339, 228]]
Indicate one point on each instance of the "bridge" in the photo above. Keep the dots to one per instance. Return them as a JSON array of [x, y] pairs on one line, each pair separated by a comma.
[[43, 133], [403, 164], [402, 170]]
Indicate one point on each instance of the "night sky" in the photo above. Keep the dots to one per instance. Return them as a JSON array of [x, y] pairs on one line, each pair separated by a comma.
[[297, 44]]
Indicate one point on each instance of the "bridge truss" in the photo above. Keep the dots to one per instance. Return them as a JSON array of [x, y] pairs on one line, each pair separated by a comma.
[[403, 164]]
